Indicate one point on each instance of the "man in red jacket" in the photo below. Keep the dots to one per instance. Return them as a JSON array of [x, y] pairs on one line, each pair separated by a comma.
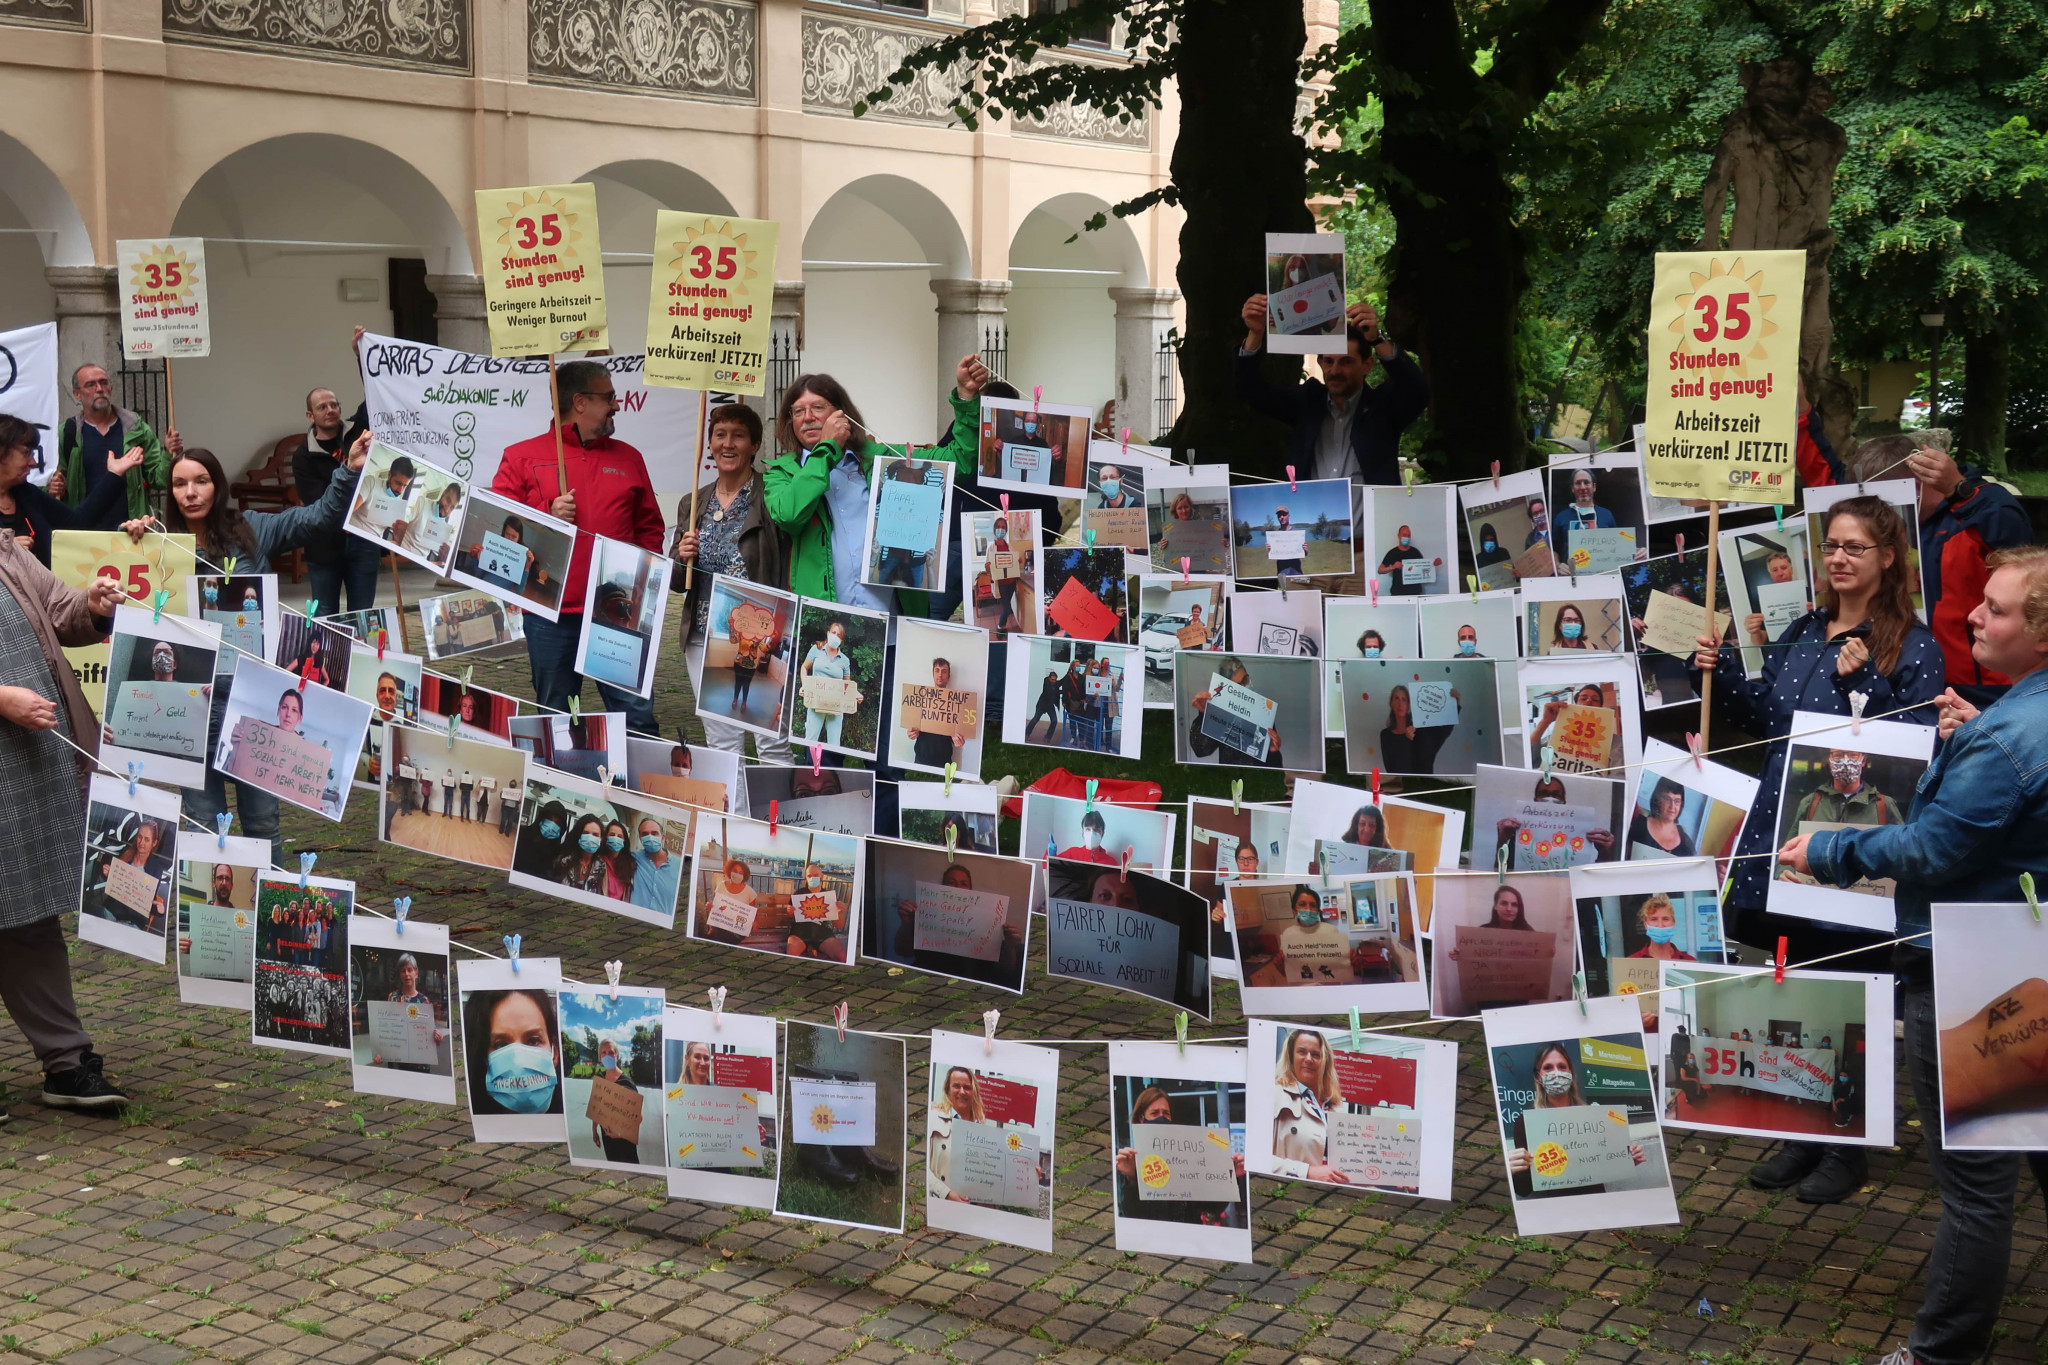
[[608, 495], [1963, 518]]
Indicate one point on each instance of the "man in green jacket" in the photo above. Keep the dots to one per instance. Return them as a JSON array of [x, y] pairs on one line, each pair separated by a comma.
[[101, 428]]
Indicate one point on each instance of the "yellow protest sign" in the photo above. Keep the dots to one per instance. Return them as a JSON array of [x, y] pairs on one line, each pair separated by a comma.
[[543, 270], [163, 297], [1721, 415], [707, 321], [157, 563]]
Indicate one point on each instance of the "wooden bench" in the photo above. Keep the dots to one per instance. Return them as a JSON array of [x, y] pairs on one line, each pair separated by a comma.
[[270, 487]]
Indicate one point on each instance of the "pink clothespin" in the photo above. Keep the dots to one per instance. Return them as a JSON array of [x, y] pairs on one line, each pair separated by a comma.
[[382, 636], [1291, 486], [1373, 586], [1037, 391], [1126, 451], [1185, 561], [1679, 536], [774, 817], [1004, 499], [1692, 742], [817, 759], [1496, 473], [1779, 974], [1124, 870], [839, 1019]]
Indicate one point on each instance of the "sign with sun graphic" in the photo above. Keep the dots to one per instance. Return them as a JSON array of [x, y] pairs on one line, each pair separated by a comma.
[[542, 268], [163, 298], [158, 562], [1723, 405], [707, 322]]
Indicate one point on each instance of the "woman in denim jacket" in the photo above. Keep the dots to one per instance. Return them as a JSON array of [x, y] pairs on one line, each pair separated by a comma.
[[1978, 820], [1863, 638]]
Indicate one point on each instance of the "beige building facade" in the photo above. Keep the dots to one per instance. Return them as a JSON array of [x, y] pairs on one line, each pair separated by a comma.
[[329, 150]]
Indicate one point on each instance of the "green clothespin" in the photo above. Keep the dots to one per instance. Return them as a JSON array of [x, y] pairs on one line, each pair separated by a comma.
[[1408, 478], [1237, 796], [1180, 1031], [1353, 1042], [312, 609], [468, 672], [2027, 890], [1730, 882], [1089, 535], [576, 707], [1472, 580], [1579, 990], [1500, 862], [1092, 784], [228, 566], [159, 602], [453, 722], [952, 838], [951, 768]]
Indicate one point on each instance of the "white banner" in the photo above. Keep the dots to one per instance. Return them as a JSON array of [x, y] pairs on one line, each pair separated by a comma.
[[460, 411], [28, 386], [1802, 1073]]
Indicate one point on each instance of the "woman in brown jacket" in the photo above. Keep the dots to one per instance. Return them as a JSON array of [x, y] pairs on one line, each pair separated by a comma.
[[46, 779], [734, 536]]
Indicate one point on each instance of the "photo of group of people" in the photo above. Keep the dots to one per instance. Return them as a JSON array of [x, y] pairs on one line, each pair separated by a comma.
[[302, 997], [244, 607], [453, 797], [464, 622], [1073, 694], [784, 889], [603, 846]]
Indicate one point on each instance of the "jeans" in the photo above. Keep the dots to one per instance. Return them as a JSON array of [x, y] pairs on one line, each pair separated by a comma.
[[551, 653], [356, 570], [258, 808], [1973, 1245]]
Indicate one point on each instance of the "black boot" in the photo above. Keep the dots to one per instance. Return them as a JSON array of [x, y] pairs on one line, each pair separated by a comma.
[[1786, 1167], [1841, 1173], [827, 1165]]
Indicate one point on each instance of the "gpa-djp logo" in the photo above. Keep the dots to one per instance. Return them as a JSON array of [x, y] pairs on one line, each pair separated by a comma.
[[1754, 477]]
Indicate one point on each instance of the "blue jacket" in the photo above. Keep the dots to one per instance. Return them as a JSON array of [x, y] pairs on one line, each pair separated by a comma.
[[1979, 817], [1799, 675]]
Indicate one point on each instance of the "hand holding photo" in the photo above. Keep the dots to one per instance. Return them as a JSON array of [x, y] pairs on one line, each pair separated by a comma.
[[908, 501], [1305, 293]]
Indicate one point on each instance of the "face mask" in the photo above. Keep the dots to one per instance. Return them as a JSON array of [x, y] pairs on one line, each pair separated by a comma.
[[610, 1063], [1557, 1082], [1091, 838], [650, 843], [550, 830], [1846, 769], [615, 842], [163, 662], [248, 604], [1308, 919], [815, 883], [1404, 540], [589, 843], [1572, 630], [1110, 488], [1468, 646], [1167, 1119], [212, 595], [1488, 546], [833, 639], [522, 1078], [1372, 651], [1661, 933]]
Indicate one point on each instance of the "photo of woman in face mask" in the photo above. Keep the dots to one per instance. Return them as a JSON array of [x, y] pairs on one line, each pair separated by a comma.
[[540, 841], [582, 863], [1154, 1105], [1657, 921], [731, 884], [1568, 630], [828, 659], [1555, 1085], [512, 1056], [618, 863]]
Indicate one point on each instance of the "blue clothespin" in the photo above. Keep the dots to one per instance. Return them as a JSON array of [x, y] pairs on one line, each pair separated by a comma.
[[1091, 795], [1052, 847], [305, 868], [1500, 862], [401, 906], [158, 603], [1180, 1031], [512, 951], [312, 608], [1352, 1042], [221, 823], [1090, 535], [1705, 1310], [2027, 890], [134, 772]]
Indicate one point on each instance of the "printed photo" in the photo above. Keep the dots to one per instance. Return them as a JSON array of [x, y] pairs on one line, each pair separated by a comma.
[[611, 848], [1413, 543], [1286, 624], [1292, 531], [464, 622], [1336, 830], [587, 745], [1767, 573], [838, 702], [1074, 694], [1419, 716], [1249, 711], [1501, 943], [1175, 614], [795, 892], [296, 740], [479, 713], [1305, 293], [1508, 521], [611, 1078], [1129, 931], [1032, 447], [1067, 827], [392, 687], [1001, 565], [512, 1049], [935, 715], [315, 651], [244, 607], [1579, 715], [408, 507], [1544, 824], [1578, 1118], [834, 800], [909, 504], [718, 1071], [989, 1119], [963, 915], [401, 1023], [1585, 615], [130, 848], [1187, 517], [1177, 1123], [454, 798], [1113, 507], [1483, 625], [1808, 1058], [366, 626], [217, 918], [927, 812], [685, 774], [1362, 628], [159, 695], [1667, 613], [1598, 520], [624, 602], [1633, 916], [1902, 494], [513, 551], [747, 657], [302, 993], [1366, 1111], [1229, 841], [844, 1147], [1990, 980], [1084, 594], [1328, 946], [1836, 778], [1687, 807]]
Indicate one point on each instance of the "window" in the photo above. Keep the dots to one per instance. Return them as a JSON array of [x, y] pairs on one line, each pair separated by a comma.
[[1094, 36]]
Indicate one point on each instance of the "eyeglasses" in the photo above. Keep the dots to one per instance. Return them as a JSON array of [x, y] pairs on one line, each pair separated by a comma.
[[1855, 549]]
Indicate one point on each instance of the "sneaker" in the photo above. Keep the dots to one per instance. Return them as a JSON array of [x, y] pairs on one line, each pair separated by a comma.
[[1787, 1166], [1840, 1174], [80, 1088], [1902, 1356]]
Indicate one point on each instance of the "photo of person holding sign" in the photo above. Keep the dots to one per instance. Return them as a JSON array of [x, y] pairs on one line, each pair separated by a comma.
[[1555, 1085]]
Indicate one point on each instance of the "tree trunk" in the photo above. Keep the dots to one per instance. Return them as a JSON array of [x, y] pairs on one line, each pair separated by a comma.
[[1987, 388], [1241, 169]]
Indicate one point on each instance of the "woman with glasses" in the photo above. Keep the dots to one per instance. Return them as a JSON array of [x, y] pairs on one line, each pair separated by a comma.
[[33, 513], [1862, 637]]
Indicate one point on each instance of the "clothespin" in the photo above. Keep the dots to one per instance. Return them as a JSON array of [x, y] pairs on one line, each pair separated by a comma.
[[2027, 890], [1037, 390], [134, 774], [306, 868], [1471, 581], [1089, 536], [1679, 537], [604, 775], [1292, 487], [1180, 1031], [1352, 1042], [1779, 975], [1237, 796], [1579, 990], [228, 565], [990, 1018], [576, 706], [1004, 499], [468, 672], [839, 1019], [1496, 473], [952, 839], [1185, 563], [1124, 868], [1500, 863], [774, 817], [951, 768], [454, 724], [1549, 759], [1127, 442], [1408, 478], [1780, 510], [1373, 586], [1857, 701], [1692, 742], [817, 760], [383, 636], [1705, 1309], [512, 950], [1375, 786], [611, 976], [401, 906], [221, 822], [1092, 785], [312, 609], [1052, 847], [717, 994], [157, 604]]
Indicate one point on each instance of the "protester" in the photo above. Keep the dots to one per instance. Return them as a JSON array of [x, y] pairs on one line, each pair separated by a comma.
[[30, 512], [733, 536], [1202, 744], [1963, 518], [200, 509], [1342, 428], [336, 562], [1977, 822], [1863, 637], [657, 873], [100, 430], [933, 748], [608, 495], [1814, 461]]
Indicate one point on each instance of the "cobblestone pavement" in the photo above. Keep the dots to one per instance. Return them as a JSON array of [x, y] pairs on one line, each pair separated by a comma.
[[251, 1207]]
